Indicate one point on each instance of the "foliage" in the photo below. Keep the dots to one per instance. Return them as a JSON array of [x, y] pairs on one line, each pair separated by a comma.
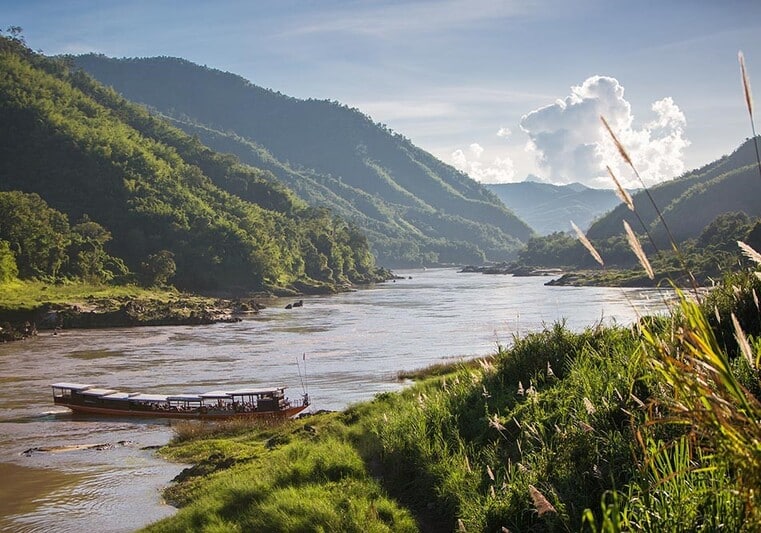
[[300, 477], [8, 267], [159, 268], [151, 189]]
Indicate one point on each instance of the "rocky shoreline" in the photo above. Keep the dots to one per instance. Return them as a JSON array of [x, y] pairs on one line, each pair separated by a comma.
[[18, 324], [511, 268]]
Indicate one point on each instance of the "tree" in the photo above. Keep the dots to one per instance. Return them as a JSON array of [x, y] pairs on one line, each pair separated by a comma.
[[37, 234], [90, 258], [159, 268], [8, 268]]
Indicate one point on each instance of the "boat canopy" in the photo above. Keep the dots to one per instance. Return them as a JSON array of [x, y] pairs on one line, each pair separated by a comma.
[[120, 395], [149, 398], [98, 392], [256, 392], [215, 394], [184, 398], [71, 386]]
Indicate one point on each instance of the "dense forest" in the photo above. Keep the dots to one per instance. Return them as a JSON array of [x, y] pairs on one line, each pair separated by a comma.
[[93, 186], [414, 209]]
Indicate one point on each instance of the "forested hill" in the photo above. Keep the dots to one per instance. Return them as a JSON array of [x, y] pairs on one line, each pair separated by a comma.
[[414, 208], [138, 189], [690, 202], [549, 208]]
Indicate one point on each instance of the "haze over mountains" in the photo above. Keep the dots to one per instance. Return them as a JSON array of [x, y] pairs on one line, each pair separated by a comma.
[[414, 209], [548, 208]]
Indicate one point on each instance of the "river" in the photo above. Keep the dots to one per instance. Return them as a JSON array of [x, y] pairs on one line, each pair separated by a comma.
[[349, 346]]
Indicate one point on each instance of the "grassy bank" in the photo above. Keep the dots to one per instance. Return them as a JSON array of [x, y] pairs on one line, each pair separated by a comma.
[[26, 306], [29, 294], [562, 431]]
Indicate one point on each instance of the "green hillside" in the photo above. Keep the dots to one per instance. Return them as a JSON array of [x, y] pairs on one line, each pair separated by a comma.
[[690, 202], [94, 157], [414, 208]]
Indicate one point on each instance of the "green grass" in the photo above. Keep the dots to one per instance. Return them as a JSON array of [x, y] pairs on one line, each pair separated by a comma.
[[298, 477], [26, 295]]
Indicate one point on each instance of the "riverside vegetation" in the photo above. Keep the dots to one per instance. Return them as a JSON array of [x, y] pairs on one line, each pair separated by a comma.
[[97, 193], [653, 428], [561, 430]]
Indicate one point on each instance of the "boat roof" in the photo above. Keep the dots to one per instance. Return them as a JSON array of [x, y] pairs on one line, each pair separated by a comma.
[[72, 386], [120, 395], [99, 392], [184, 398], [255, 392], [113, 394], [215, 394], [149, 398]]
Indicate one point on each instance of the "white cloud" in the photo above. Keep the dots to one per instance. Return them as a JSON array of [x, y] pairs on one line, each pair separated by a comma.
[[500, 170], [570, 144], [504, 132], [476, 149]]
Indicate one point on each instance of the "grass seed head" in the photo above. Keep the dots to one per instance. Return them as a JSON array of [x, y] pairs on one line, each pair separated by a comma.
[[588, 245], [636, 247], [746, 84]]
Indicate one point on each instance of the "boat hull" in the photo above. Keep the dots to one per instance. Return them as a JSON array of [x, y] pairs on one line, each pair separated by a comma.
[[195, 415]]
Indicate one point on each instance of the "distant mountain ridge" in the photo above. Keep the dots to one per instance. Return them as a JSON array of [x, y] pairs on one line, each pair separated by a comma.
[[549, 208], [414, 208], [690, 202]]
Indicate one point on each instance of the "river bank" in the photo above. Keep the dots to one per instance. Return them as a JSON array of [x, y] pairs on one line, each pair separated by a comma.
[[172, 309], [354, 344], [29, 306], [561, 431]]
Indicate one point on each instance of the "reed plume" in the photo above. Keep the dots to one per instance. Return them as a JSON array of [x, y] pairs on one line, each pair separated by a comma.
[[541, 504], [588, 245], [749, 104], [749, 252], [622, 193], [636, 247]]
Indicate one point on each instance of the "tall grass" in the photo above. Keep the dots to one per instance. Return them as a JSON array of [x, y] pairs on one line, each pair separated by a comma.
[[705, 474]]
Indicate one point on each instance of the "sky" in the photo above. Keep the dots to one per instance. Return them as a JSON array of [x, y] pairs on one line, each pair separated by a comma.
[[502, 90]]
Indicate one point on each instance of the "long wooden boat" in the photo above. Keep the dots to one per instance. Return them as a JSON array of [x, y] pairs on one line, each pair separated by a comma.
[[212, 405]]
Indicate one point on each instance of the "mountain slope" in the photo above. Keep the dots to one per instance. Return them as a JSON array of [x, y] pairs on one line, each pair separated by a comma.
[[414, 208], [549, 208], [87, 151], [692, 201]]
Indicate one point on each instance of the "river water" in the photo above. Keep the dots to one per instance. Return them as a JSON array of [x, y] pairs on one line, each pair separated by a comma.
[[348, 346]]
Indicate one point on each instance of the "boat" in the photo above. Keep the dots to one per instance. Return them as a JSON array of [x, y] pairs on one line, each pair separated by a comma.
[[212, 405]]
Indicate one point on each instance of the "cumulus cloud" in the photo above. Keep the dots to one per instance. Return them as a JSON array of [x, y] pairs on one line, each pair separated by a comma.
[[504, 132], [570, 144], [499, 170]]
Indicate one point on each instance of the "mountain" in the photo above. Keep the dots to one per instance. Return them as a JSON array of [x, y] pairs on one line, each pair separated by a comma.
[[413, 208], [549, 208], [150, 191], [689, 203]]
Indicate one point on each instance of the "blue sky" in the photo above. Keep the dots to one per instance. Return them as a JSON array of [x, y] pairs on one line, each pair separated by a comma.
[[500, 89]]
